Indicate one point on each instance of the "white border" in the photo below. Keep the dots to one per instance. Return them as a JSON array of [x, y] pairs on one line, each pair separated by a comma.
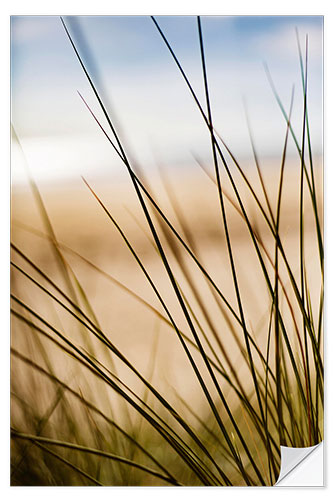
[[172, 7]]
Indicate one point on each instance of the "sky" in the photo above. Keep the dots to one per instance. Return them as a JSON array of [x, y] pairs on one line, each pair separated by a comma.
[[145, 95]]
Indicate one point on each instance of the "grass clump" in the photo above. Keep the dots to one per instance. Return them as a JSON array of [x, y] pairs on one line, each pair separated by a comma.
[[85, 414]]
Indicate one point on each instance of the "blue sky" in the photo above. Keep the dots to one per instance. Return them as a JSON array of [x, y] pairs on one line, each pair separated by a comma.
[[145, 93]]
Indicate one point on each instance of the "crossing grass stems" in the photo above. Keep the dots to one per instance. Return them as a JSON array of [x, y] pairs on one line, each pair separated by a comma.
[[238, 440]]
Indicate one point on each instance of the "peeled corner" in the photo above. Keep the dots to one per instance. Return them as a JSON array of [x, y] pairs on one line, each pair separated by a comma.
[[302, 467]]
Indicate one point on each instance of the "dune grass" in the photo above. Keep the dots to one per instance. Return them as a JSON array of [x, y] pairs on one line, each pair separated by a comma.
[[155, 437]]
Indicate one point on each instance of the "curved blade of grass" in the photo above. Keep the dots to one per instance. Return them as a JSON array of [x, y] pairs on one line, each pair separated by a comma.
[[92, 407], [301, 245], [313, 185], [84, 449], [41, 422], [93, 364], [85, 360], [68, 463], [276, 285]]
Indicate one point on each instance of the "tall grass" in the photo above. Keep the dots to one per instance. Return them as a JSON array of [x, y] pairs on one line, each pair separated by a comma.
[[78, 417]]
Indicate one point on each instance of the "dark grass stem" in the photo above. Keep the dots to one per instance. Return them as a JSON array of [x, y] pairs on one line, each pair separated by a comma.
[[276, 286], [224, 217], [301, 246]]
